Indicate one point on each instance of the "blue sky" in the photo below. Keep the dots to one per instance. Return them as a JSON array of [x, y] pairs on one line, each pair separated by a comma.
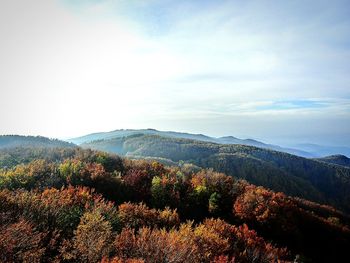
[[271, 70]]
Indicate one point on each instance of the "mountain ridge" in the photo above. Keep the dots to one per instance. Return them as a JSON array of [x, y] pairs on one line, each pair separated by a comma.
[[291, 174], [337, 159], [222, 140], [11, 141]]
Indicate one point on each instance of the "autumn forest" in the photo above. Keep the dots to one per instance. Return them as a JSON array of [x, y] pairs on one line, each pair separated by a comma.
[[62, 203]]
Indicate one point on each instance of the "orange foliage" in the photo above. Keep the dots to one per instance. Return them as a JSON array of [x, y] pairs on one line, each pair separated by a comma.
[[20, 242], [120, 260], [261, 204], [212, 241], [139, 215]]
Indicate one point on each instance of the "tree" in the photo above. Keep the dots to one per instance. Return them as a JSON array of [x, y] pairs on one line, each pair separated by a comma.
[[20, 242], [92, 238]]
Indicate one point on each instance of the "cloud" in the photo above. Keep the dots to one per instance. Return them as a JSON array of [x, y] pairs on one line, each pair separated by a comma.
[[294, 104], [101, 65]]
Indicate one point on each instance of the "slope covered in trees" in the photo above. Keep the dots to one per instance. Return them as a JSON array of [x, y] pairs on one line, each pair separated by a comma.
[[16, 149], [11, 157], [293, 175], [12, 141], [95, 207], [336, 159], [117, 134]]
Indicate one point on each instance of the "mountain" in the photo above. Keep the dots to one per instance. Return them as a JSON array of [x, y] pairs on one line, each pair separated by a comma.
[[293, 175], [251, 142], [13, 141], [322, 150], [336, 159], [200, 137], [128, 132], [16, 149]]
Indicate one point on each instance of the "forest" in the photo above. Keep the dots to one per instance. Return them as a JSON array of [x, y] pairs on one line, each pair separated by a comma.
[[312, 179], [79, 205]]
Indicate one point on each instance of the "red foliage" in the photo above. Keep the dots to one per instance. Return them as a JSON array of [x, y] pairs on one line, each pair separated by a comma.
[[20, 242], [139, 182]]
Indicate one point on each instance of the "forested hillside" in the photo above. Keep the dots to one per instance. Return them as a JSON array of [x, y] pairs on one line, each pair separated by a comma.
[[90, 206], [293, 175], [12, 141], [336, 159], [16, 149], [117, 134], [11, 157]]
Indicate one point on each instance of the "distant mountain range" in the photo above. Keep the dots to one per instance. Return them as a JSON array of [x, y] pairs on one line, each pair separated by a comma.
[[200, 137], [323, 150], [305, 150]]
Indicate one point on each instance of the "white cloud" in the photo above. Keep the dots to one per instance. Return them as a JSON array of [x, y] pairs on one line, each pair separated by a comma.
[[72, 69]]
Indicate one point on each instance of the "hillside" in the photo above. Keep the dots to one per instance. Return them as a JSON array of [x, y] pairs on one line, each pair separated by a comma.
[[128, 132], [180, 135], [16, 149], [12, 141], [336, 159], [293, 175], [87, 208]]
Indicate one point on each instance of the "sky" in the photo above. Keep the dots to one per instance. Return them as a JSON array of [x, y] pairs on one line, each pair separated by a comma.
[[277, 71]]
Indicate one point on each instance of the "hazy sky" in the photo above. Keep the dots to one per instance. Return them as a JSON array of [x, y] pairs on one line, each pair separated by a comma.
[[271, 70]]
